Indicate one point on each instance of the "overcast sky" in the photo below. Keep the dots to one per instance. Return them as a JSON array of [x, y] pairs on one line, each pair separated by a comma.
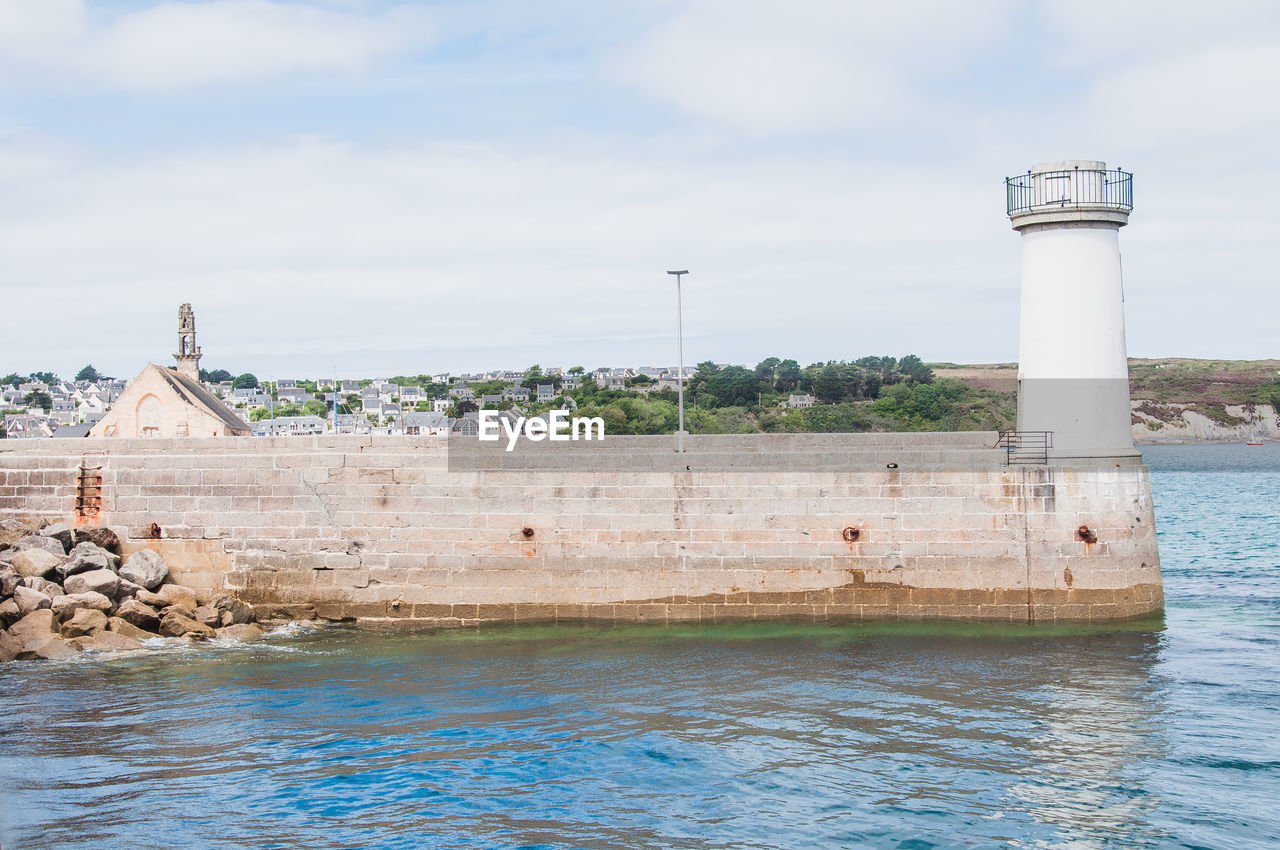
[[389, 188]]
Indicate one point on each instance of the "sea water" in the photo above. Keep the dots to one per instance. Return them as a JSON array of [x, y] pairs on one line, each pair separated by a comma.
[[1161, 733]]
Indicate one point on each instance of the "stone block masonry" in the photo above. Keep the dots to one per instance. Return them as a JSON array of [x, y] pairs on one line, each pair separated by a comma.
[[380, 531]]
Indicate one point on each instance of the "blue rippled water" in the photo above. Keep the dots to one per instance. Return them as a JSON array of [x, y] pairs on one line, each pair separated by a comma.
[[1157, 734]]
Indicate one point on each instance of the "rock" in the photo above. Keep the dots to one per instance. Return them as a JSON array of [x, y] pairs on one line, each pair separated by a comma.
[[138, 614], [29, 600], [106, 642], [208, 615], [176, 625], [65, 607], [87, 556], [99, 581], [50, 589], [9, 613], [281, 614], [243, 632], [145, 567], [148, 598], [180, 610], [85, 622], [176, 594], [233, 610], [35, 541], [9, 580], [58, 532], [36, 626], [11, 531], [128, 589], [52, 648], [36, 562], [6, 555], [10, 646], [104, 537], [124, 627]]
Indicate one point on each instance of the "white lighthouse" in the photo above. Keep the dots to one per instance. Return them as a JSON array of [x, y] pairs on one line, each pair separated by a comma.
[[1073, 370]]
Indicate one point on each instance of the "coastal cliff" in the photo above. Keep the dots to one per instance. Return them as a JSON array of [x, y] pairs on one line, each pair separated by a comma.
[[1173, 422]]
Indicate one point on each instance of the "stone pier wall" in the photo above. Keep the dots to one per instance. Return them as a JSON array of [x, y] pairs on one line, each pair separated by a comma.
[[379, 530]]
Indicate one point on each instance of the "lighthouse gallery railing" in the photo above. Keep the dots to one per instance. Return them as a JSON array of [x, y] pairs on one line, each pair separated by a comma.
[[1073, 187]]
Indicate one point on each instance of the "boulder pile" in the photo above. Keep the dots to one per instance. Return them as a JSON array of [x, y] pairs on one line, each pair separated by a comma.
[[63, 592]]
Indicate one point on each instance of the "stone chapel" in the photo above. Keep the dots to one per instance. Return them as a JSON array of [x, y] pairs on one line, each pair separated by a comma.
[[163, 402]]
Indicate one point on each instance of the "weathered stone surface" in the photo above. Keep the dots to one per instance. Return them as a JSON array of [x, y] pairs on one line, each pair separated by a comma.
[[51, 648], [180, 610], [208, 615], [65, 607], [11, 531], [148, 598], [9, 613], [35, 562], [6, 555], [86, 621], [176, 594], [99, 581], [104, 537], [243, 632], [176, 625], [128, 590], [50, 589], [87, 556], [35, 541], [139, 614], [233, 610], [38, 625], [10, 646], [129, 630], [146, 568], [58, 532], [821, 540], [29, 600], [9, 580], [105, 641]]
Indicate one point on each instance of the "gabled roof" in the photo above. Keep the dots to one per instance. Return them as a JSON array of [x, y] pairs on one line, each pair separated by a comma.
[[196, 395]]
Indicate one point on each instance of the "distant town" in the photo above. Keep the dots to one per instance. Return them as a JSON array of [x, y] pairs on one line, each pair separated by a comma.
[[631, 399], [1171, 398]]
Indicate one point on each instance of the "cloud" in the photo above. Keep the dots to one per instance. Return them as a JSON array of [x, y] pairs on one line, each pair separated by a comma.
[[173, 46], [1088, 32], [808, 65], [534, 221], [1210, 93], [315, 251]]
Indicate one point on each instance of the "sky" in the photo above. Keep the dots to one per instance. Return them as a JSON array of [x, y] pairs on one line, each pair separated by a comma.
[[380, 188]]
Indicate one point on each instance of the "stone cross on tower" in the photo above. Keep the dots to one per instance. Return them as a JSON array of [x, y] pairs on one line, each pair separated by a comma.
[[188, 355]]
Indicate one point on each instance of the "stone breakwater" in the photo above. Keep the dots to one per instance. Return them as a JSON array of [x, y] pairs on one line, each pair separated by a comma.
[[63, 592], [396, 532]]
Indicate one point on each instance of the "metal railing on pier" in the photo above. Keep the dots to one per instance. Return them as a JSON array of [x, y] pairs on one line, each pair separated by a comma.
[[1026, 447], [1073, 187]]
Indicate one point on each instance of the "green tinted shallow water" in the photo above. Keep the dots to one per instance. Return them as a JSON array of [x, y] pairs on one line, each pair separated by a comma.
[[895, 735]]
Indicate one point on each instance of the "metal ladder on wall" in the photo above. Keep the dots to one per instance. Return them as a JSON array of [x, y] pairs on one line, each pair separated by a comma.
[[89, 487], [1025, 447]]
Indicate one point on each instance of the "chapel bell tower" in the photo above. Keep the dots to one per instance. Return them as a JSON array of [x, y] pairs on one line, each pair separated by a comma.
[[188, 355]]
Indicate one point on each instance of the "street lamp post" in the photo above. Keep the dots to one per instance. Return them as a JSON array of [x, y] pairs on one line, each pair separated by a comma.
[[680, 357]]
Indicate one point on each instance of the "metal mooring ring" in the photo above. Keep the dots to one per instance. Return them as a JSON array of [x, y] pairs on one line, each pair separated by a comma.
[[850, 534]]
